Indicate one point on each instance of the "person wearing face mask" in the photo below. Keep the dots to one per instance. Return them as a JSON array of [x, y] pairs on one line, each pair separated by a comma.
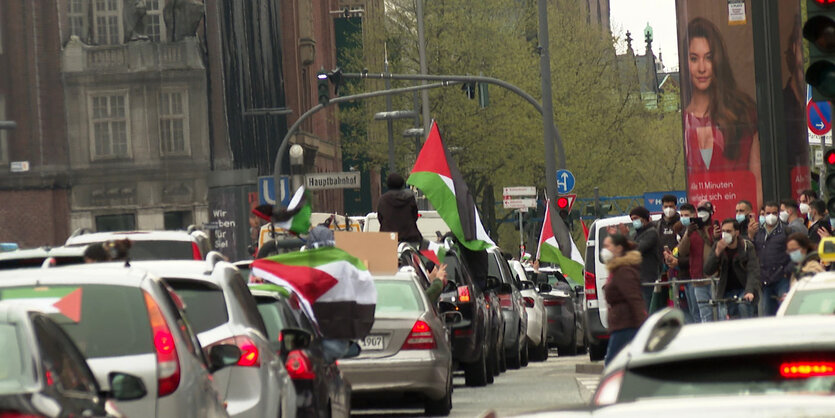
[[646, 236], [770, 243], [681, 266], [693, 249], [805, 202], [802, 252], [627, 310], [670, 229], [745, 217], [735, 259], [817, 221], [790, 214]]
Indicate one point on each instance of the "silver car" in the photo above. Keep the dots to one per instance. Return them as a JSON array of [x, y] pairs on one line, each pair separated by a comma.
[[810, 296], [537, 330], [223, 311], [125, 320], [408, 349]]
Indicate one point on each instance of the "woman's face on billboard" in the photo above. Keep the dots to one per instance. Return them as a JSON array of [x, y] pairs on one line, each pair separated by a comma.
[[700, 62]]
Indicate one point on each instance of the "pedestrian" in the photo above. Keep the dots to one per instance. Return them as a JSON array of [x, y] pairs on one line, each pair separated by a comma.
[[745, 217], [818, 221], [693, 250], [790, 214], [398, 212], [804, 255], [770, 243], [735, 259], [623, 292], [670, 229], [805, 200], [680, 264], [646, 236]]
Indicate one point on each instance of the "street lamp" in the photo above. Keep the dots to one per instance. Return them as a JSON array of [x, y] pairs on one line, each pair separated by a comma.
[[8, 124], [297, 165]]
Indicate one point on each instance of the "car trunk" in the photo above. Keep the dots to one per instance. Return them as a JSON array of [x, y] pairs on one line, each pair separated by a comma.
[[393, 330]]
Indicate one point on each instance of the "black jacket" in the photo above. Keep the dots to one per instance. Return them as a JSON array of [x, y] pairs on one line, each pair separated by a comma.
[[813, 230], [775, 264], [745, 263], [670, 231], [650, 249], [398, 212]]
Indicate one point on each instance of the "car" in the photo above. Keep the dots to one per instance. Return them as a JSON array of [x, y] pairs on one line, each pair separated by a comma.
[[564, 307], [408, 349], [537, 329], [429, 223], [221, 308], [321, 389], [760, 356], [512, 304], [150, 245], [124, 319], [810, 295], [44, 373], [35, 257]]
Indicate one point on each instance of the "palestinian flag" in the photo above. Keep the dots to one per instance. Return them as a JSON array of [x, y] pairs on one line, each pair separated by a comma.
[[434, 251], [437, 176], [549, 251], [296, 216], [333, 284]]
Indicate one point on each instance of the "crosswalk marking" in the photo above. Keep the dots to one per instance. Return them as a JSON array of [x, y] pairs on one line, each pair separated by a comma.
[[589, 382]]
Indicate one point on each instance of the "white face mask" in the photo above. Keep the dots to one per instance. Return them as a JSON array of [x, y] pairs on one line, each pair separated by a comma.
[[727, 237], [606, 255], [771, 219], [784, 216], [804, 208], [704, 216], [669, 212]]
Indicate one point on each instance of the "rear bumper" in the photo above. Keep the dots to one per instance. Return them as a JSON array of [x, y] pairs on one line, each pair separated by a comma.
[[560, 325], [535, 324], [595, 331], [412, 371], [511, 329]]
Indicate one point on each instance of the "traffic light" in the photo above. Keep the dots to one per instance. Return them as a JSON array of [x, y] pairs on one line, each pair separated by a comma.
[[828, 186], [483, 97], [324, 87], [469, 90], [819, 31]]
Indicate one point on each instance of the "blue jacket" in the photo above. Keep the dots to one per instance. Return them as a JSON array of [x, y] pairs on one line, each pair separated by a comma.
[[775, 264]]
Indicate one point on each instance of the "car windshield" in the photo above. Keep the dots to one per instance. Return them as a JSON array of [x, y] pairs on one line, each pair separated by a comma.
[[15, 368], [398, 296], [205, 306], [736, 375], [103, 320], [817, 301]]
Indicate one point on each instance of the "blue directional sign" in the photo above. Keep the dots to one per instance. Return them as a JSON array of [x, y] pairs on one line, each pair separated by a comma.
[[266, 190], [565, 181], [652, 200]]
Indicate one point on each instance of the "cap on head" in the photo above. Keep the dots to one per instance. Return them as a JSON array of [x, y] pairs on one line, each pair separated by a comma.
[[395, 181], [705, 205]]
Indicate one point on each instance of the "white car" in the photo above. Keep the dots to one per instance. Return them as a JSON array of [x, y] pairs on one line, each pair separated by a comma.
[[221, 309], [537, 317], [811, 295], [429, 224], [151, 245]]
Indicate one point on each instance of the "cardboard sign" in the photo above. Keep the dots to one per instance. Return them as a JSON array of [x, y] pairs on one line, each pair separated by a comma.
[[378, 250]]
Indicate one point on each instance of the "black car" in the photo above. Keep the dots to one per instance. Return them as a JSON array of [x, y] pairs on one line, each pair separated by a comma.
[[321, 390], [564, 307], [43, 373]]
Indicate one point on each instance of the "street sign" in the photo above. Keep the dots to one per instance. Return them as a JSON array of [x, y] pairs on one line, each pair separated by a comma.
[[819, 117], [338, 180], [266, 190], [565, 181], [569, 201], [519, 191], [519, 203], [19, 166]]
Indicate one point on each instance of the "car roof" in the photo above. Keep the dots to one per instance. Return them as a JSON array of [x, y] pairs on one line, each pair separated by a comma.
[[825, 280], [178, 269], [114, 273], [132, 235], [42, 252]]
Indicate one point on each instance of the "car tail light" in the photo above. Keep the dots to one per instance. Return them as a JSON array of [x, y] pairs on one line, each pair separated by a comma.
[[803, 369], [250, 356], [529, 302], [504, 301], [591, 286], [609, 389], [553, 302], [168, 363], [15, 414], [420, 338], [463, 294], [195, 251], [298, 366]]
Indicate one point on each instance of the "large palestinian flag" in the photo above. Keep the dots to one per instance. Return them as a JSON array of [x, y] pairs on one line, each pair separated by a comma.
[[549, 250], [335, 285], [437, 176]]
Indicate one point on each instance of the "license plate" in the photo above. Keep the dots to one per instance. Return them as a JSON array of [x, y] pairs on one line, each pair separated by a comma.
[[371, 342]]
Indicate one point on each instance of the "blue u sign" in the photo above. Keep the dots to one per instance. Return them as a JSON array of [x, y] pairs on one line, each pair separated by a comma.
[[266, 190]]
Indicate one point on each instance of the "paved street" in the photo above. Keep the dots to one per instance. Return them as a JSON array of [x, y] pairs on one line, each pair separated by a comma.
[[539, 386]]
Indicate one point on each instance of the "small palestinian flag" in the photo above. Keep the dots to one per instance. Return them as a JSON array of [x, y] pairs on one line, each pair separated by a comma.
[[434, 251], [335, 285], [437, 176], [549, 250], [296, 216]]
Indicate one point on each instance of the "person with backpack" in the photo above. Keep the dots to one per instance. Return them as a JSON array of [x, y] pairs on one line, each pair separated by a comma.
[[735, 259]]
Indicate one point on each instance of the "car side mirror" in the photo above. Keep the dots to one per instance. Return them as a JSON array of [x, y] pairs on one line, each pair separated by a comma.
[[453, 317], [126, 387], [505, 289], [527, 285], [579, 289], [223, 355], [353, 350], [293, 339], [493, 282], [545, 288]]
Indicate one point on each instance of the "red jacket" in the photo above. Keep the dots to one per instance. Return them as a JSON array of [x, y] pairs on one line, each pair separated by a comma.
[[623, 292]]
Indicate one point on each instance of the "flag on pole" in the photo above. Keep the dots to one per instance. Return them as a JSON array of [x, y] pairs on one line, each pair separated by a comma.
[[549, 251], [333, 284], [296, 216], [437, 176]]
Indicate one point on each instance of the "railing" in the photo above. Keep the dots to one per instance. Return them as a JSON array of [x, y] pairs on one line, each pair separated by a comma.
[[106, 57]]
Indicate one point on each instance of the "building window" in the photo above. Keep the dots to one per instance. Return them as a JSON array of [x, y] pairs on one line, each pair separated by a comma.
[[76, 10], [109, 125], [120, 222], [4, 142], [108, 22], [173, 122], [154, 23], [177, 220]]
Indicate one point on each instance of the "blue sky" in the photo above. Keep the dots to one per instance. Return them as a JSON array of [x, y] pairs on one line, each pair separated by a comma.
[[633, 15]]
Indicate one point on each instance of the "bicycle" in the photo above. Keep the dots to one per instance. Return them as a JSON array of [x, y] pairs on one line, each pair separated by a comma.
[[718, 303]]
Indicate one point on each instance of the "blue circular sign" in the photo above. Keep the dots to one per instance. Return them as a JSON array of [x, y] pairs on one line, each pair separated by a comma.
[[565, 181]]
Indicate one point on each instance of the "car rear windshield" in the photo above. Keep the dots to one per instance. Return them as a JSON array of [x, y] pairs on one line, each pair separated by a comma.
[[205, 306], [734, 375], [817, 301], [160, 250], [275, 314], [15, 368], [398, 296], [36, 262], [103, 320]]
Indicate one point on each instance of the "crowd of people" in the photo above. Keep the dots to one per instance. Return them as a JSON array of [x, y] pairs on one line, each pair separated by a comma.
[[733, 268]]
